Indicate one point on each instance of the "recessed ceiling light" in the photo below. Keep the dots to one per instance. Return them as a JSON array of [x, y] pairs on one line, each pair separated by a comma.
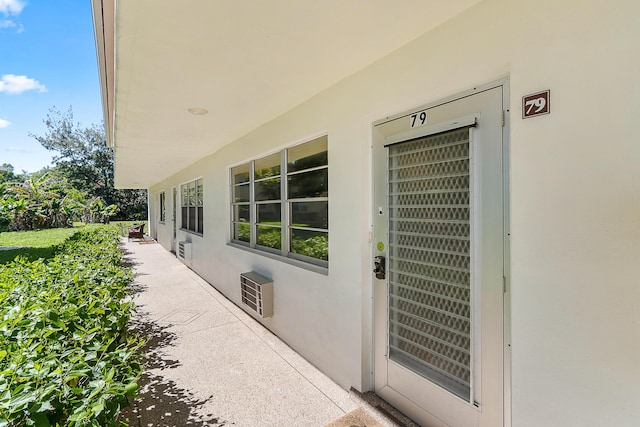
[[197, 111]]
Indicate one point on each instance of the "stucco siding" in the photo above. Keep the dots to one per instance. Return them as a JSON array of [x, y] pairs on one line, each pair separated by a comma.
[[574, 203]]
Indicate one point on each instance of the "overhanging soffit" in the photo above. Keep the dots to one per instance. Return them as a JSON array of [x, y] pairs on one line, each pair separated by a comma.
[[244, 62]]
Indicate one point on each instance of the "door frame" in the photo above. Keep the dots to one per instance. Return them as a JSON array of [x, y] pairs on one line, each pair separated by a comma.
[[504, 83], [174, 219]]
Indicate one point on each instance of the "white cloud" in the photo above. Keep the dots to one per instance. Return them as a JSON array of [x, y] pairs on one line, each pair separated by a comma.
[[7, 23], [19, 149], [11, 7], [13, 84], [4, 123]]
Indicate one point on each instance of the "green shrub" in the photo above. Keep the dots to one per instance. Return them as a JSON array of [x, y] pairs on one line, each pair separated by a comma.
[[66, 358], [315, 247], [270, 237]]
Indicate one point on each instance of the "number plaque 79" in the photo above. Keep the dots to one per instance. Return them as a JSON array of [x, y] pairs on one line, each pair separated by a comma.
[[535, 104], [418, 119]]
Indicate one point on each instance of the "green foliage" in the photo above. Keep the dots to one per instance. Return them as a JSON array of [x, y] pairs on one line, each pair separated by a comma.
[[45, 201], [66, 358], [270, 237], [95, 211], [7, 174], [36, 203], [315, 247], [86, 161], [308, 243], [244, 232]]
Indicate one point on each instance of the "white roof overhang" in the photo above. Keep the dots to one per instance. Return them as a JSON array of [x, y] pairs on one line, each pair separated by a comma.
[[245, 62]]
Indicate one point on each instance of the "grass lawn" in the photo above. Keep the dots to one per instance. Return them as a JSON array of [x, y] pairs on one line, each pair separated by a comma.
[[42, 243], [33, 244]]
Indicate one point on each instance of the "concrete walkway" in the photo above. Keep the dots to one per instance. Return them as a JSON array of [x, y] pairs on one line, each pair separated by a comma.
[[211, 364]]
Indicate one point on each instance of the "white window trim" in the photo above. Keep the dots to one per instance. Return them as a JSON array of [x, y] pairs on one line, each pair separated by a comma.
[[283, 254], [182, 205]]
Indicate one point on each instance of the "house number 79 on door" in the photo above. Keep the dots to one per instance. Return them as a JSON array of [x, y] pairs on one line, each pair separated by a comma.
[[418, 119]]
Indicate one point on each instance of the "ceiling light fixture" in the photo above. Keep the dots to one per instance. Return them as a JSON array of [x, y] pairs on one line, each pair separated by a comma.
[[197, 111]]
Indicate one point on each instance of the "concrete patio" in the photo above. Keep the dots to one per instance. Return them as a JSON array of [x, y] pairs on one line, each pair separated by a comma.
[[211, 364]]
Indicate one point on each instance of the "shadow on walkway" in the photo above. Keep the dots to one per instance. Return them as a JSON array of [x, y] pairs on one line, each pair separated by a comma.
[[161, 402]]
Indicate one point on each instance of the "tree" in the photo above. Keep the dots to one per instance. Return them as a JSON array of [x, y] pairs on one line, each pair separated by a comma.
[[95, 211], [7, 177], [86, 161], [7, 174], [36, 203]]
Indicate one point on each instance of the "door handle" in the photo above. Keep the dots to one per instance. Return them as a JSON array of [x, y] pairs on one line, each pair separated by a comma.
[[380, 267]]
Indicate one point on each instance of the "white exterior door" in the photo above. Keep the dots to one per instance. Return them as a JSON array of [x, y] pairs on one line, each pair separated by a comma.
[[439, 221]]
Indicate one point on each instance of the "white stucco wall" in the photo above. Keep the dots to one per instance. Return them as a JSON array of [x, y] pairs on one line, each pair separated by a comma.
[[575, 203]]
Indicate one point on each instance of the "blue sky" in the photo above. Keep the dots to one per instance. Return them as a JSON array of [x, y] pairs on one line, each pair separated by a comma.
[[47, 59]]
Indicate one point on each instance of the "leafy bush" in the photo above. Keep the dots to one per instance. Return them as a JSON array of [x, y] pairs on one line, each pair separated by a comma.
[[66, 358], [315, 247], [308, 243], [244, 232], [269, 237]]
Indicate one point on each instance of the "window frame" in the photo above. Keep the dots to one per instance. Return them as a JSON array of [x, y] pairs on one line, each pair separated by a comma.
[[191, 198], [287, 228], [264, 202], [236, 205]]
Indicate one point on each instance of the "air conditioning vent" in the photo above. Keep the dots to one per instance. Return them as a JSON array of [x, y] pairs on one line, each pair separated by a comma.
[[257, 293], [184, 252]]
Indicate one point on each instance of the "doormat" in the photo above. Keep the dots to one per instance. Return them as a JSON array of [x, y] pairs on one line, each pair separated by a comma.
[[147, 242], [356, 418]]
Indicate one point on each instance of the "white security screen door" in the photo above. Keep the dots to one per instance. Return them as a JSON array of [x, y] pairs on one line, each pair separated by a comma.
[[429, 256], [439, 223]]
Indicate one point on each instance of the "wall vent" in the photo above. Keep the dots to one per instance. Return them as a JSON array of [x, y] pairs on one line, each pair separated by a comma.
[[184, 252], [257, 293]]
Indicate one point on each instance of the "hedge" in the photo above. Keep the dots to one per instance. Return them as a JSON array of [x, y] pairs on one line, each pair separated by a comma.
[[66, 357]]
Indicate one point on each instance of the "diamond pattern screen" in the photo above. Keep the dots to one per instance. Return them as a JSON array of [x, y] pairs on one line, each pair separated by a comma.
[[430, 258]]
